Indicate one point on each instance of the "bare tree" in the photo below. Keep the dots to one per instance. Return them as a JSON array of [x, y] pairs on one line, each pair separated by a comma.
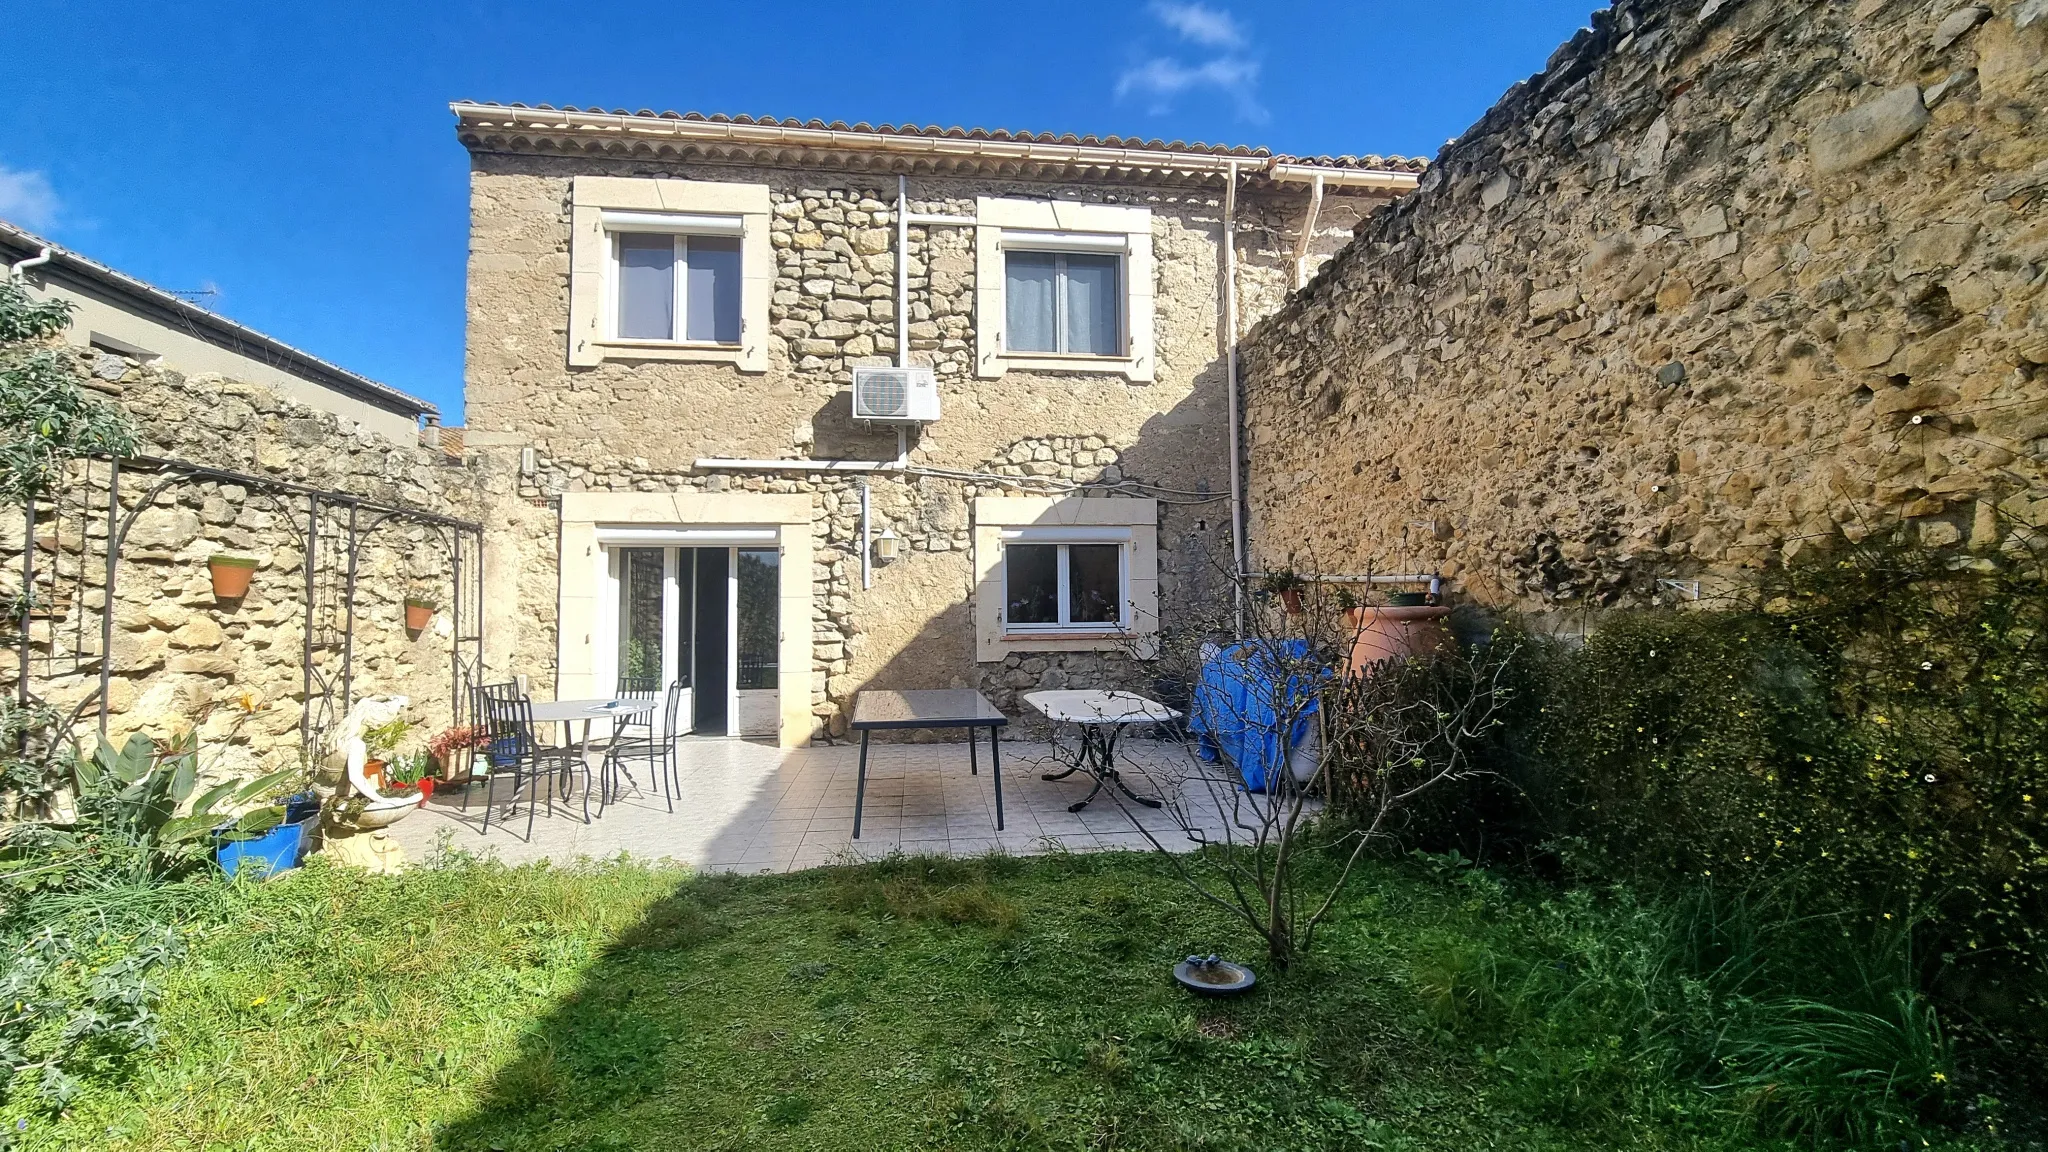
[[1290, 758]]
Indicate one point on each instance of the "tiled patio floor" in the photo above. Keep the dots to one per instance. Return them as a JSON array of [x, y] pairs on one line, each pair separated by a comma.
[[749, 807]]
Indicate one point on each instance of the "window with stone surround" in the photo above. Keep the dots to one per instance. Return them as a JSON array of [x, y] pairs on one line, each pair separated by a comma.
[[1065, 575], [1063, 285], [674, 288], [669, 270], [1063, 580]]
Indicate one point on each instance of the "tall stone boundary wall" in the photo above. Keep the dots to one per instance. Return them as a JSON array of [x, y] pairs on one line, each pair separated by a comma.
[[181, 660], [1726, 281]]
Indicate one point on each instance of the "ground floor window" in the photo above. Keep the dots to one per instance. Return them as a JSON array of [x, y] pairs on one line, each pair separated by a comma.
[[1052, 587]]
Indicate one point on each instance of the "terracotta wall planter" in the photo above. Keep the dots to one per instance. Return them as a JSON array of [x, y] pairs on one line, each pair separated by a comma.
[[1387, 633], [418, 614], [231, 575]]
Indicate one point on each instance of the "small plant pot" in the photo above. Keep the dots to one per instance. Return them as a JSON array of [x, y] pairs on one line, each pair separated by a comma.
[[1213, 977], [231, 575], [418, 614], [1290, 599], [373, 771]]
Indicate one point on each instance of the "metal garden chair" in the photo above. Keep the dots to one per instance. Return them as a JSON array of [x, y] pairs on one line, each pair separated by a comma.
[[658, 747]]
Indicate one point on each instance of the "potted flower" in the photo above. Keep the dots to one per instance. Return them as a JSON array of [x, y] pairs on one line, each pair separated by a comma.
[[410, 773], [380, 741], [231, 575], [1287, 585], [1353, 611], [419, 612], [451, 748]]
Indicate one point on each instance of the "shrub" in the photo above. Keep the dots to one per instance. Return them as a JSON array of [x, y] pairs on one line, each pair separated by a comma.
[[1869, 731]]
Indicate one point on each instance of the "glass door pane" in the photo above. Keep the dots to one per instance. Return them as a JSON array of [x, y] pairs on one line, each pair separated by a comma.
[[760, 622], [641, 577], [710, 626]]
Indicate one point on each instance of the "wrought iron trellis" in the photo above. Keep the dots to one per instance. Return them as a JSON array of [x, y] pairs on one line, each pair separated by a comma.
[[331, 528]]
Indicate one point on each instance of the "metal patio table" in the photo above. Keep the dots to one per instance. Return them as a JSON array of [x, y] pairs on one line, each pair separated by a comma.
[[568, 712], [930, 708], [1101, 716]]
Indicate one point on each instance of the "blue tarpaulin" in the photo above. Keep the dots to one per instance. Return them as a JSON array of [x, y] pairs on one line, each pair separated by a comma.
[[1235, 709]]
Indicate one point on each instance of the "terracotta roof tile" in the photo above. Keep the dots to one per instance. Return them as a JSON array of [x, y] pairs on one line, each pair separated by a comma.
[[1362, 161]]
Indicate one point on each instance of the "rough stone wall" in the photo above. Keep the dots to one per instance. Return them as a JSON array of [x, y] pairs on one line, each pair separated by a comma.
[[180, 659], [1726, 281], [640, 426]]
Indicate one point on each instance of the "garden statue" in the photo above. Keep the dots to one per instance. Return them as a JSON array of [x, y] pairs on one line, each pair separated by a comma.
[[376, 809]]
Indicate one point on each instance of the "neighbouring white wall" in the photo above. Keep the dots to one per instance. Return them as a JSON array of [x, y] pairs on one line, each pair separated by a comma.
[[184, 352]]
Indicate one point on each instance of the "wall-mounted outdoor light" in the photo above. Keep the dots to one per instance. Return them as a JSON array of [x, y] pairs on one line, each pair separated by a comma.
[[886, 546]]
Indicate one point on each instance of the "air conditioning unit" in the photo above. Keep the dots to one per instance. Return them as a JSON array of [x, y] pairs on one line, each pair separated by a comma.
[[895, 395]]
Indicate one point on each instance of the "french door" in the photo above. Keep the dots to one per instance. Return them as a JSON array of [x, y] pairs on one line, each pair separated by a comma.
[[708, 616]]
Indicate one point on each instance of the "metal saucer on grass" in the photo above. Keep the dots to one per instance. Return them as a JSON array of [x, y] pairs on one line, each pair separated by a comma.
[[1213, 976]]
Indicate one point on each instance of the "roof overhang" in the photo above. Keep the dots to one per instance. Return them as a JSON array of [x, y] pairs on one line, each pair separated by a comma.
[[503, 128]]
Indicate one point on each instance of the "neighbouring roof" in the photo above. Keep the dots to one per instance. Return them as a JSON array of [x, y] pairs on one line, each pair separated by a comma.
[[569, 130], [148, 300]]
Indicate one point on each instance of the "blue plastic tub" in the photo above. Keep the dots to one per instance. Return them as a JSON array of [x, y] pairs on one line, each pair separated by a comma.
[[275, 851]]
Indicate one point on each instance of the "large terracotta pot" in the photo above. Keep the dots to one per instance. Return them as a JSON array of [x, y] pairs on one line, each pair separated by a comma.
[[231, 576], [1388, 633]]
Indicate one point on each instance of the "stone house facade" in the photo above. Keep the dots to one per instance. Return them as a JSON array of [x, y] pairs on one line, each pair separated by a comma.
[[1724, 283], [665, 315]]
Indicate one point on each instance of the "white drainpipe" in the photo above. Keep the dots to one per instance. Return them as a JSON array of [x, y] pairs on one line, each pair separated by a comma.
[[1308, 232], [867, 575], [42, 257], [903, 271], [1239, 555]]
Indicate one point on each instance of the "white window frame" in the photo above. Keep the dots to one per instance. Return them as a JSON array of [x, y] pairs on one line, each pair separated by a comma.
[[680, 228], [603, 207], [1063, 539], [1133, 524], [1003, 225], [1062, 246]]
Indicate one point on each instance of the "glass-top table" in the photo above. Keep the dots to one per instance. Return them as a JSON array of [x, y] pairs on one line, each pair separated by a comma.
[[568, 713], [928, 708], [1101, 716]]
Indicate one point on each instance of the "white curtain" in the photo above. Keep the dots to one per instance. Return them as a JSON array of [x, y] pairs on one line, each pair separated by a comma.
[[1092, 305], [1030, 288]]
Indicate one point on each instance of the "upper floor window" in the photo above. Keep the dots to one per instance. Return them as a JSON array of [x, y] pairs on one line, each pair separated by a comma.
[[1064, 303], [677, 287], [676, 270], [1063, 286]]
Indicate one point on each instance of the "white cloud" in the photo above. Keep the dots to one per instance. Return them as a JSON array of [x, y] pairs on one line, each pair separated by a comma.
[[1226, 65], [1210, 27], [27, 199]]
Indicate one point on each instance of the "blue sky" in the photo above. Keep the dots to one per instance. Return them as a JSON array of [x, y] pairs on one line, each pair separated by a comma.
[[299, 158]]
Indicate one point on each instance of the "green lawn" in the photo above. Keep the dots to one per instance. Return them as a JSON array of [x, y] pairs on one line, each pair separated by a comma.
[[995, 1003]]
